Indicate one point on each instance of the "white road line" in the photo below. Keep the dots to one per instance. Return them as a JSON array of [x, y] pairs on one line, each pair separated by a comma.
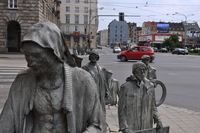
[[8, 73]]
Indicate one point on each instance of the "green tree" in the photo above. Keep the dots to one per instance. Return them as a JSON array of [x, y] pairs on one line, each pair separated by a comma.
[[172, 42]]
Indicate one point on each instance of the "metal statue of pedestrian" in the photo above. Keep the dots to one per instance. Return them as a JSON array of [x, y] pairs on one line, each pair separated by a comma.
[[98, 74], [51, 95], [137, 106]]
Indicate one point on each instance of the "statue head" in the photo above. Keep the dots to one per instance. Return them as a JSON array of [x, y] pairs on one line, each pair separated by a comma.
[[109, 74], [138, 70], [145, 59], [94, 56], [39, 59], [48, 36]]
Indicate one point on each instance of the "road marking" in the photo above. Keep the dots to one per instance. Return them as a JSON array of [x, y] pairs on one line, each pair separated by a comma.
[[173, 74], [8, 73]]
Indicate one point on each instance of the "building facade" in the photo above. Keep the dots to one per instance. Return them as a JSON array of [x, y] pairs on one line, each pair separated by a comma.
[[189, 33], [103, 37], [16, 16], [118, 33], [133, 37], [192, 32], [79, 22]]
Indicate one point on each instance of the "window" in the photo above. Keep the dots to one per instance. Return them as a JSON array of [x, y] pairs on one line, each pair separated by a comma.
[[115, 31], [42, 6], [77, 1], [135, 49], [67, 29], [145, 49], [76, 9], [67, 9], [76, 19], [67, 19], [85, 1], [115, 35], [12, 4], [67, 1], [85, 9], [85, 29], [76, 28], [85, 19]]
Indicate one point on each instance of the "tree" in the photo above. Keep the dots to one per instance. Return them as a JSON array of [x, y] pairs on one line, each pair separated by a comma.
[[172, 42]]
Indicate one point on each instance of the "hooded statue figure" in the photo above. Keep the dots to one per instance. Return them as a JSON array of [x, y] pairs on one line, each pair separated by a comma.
[[51, 94]]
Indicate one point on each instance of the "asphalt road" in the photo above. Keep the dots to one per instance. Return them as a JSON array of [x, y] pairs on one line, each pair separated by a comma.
[[179, 73]]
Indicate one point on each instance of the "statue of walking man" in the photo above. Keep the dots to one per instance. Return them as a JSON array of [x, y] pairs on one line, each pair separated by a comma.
[[137, 106]]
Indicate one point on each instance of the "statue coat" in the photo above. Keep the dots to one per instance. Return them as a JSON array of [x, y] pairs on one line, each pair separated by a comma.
[[80, 103], [114, 86], [98, 73]]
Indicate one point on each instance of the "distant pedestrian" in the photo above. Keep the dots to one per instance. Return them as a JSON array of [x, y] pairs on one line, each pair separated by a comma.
[[74, 49], [83, 50], [79, 49]]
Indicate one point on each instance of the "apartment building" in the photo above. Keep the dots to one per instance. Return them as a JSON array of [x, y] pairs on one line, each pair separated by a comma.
[[79, 22], [103, 39], [16, 16], [133, 32]]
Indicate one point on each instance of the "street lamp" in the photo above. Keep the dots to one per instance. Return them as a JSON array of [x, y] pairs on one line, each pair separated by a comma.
[[186, 16]]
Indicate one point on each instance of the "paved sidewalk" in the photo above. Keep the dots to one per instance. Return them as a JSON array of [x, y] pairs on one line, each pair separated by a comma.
[[180, 120]]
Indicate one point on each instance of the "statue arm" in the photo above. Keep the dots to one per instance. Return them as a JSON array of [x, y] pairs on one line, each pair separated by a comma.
[[122, 109], [12, 115], [118, 87], [156, 115], [7, 117], [7, 120]]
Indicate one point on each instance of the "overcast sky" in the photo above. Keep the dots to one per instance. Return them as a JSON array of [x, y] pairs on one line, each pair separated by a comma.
[[149, 10]]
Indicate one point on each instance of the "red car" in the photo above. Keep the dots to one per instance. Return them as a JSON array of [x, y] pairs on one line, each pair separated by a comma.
[[135, 53]]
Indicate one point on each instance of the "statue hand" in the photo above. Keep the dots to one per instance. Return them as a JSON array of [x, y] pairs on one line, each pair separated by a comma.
[[108, 95], [159, 127]]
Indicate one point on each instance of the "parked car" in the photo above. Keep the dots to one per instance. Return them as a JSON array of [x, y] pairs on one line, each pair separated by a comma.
[[155, 49], [180, 51], [99, 47], [116, 49], [163, 50], [136, 53]]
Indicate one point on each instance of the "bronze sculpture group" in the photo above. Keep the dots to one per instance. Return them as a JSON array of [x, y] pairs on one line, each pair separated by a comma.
[[53, 95]]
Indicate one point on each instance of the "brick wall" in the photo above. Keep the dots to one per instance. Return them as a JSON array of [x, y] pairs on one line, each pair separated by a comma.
[[28, 13]]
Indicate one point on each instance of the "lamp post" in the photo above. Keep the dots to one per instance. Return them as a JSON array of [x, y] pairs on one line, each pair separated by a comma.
[[186, 16]]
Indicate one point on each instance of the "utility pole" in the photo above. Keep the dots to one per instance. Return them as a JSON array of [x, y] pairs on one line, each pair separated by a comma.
[[89, 32]]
